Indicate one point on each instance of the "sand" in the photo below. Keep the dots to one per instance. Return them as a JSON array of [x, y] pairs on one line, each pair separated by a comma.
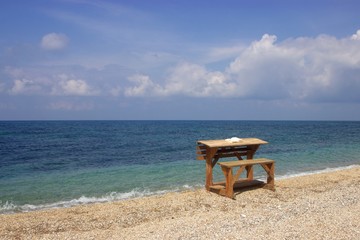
[[319, 206]]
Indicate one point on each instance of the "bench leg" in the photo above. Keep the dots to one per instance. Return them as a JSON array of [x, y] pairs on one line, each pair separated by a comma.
[[271, 176], [229, 182], [270, 170]]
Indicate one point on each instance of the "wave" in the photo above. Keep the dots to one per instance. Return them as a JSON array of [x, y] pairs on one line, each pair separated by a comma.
[[9, 207], [326, 170]]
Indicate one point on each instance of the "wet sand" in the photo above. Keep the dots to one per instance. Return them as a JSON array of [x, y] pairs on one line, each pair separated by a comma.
[[319, 206]]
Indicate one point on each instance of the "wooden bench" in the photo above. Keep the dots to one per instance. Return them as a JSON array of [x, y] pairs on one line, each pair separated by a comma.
[[267, 164]]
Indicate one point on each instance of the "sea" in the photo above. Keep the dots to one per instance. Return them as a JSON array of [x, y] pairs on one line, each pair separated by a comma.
[[57, 164]]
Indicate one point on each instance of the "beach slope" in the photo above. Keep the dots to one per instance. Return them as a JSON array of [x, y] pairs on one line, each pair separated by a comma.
[[318, 206]]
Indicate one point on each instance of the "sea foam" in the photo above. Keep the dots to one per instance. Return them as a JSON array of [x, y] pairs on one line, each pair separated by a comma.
[[326, 170], [9, 207]]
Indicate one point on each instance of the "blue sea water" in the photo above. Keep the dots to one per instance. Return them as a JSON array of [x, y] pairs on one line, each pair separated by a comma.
[[46, 164]]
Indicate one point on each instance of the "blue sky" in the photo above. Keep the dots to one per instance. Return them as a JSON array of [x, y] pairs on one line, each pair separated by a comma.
[[237, 60]]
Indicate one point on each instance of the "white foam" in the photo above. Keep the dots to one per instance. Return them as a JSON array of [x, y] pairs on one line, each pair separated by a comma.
[[326, 170], [9, 207]]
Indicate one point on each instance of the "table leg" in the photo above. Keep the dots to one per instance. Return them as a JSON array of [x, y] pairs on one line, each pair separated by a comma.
[[250, 155], [249, 172], [210, 153], [208, 180]]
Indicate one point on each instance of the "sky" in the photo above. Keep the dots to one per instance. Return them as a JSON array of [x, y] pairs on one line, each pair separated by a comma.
[[179, 60]]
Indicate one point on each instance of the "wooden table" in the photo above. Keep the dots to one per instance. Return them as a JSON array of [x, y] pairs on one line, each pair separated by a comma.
[[213, 150]]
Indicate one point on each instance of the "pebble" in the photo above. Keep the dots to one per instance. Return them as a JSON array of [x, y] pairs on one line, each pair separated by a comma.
[[321, 206]]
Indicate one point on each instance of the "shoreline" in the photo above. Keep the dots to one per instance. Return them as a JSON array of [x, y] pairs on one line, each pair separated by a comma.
[[9, 208], [316, 206]]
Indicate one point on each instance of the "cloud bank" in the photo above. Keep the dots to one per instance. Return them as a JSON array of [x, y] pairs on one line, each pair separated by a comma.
[[316, 69], [321, 69]]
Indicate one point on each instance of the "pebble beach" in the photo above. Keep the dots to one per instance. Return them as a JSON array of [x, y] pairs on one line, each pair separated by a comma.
[[318, 206]]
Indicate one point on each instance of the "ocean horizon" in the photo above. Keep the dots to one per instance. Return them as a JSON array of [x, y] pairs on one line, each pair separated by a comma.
[[52, 164]]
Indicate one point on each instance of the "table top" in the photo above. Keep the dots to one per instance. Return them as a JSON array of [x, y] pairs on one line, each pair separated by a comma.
[[224, 143]]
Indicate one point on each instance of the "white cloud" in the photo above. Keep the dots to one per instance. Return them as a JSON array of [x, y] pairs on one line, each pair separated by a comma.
[[356, 36], [303, 68], [47, 81], [74, 87], [53, 81], [185, 79], [265, 70], [144, 86], [195, 80], [24, 86], [54, 41], [308, 69]]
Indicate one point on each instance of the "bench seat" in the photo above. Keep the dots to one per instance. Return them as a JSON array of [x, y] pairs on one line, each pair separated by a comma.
[[267, 164], [240, 163]]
